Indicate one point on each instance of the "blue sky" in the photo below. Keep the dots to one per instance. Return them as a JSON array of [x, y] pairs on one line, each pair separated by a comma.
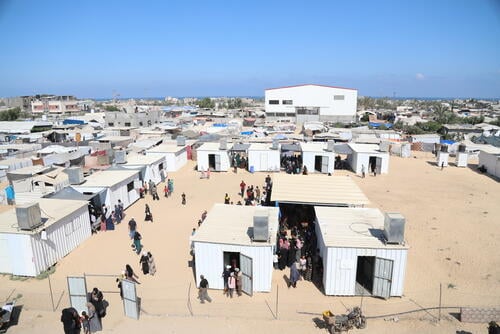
[[440, 48]]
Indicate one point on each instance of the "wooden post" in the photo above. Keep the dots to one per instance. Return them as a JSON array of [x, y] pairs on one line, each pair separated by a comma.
[[440, 295], [51, 295], [277, 296]]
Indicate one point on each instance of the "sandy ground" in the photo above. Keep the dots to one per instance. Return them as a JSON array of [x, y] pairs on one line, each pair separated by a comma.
[[452, 229]]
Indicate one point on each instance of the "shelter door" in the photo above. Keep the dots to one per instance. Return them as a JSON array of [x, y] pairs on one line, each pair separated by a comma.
[[263, 162], [324, 164], [77, 288], [130, 301], [382, 277], [217, 163], [379, 165], [246, 267]]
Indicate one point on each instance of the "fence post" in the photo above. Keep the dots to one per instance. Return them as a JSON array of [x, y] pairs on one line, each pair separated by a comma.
[[51, 295], [440, 294], [277, 297]]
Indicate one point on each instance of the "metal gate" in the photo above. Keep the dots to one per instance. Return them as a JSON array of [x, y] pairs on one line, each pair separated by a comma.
[[246, 271], [217, 163], [324, 164], [77, 288], [130, 301], [382, 277]]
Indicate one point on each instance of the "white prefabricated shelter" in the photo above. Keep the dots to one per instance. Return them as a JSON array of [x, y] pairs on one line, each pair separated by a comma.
[[263, 158], [317, 158], [210, 155], [119, 185], [149, 165], [489, 157], [368, 155], [356, 260], [224, 238], [304, 103], [30, 252], [175, 155], [425, 138], [317, 190]]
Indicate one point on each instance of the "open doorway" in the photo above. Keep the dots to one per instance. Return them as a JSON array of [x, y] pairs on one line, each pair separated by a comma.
[[232, 259], [211, 161], [364, 275], [375, 164], [321, 164]]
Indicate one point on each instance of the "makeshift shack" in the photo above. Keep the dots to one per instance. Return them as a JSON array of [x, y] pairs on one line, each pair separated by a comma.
[[356, 257], [31, 243], [227, 237]]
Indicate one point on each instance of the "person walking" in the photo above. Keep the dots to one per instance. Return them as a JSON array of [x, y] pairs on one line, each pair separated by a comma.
[[95, 324], [442, 165], [149, 215], [170, 184], [84, 320], [239, 281], [227, 199], [165, 191], [154, 192], [242, 188], [132, 226], [294, 275], [144, 263], [363, 171], [225, 276], [152, 264], [145, 186], [130, 275], [231, 284], [202, 290], [183, 199], [71, 320], [137, 242]]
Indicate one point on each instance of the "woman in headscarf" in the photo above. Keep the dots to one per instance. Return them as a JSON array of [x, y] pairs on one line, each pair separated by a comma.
[[149, 216], [144, 262], [95, 324], [151, 263], [130, 275]]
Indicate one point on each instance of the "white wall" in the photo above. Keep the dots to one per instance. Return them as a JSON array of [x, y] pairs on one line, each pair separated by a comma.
[[119, 192], [209, 262], [313, 96], [29, 255], [202, 158], [176, 161], [491, 162], [359, 159], [309, 159], [258, 159], [340, 266]]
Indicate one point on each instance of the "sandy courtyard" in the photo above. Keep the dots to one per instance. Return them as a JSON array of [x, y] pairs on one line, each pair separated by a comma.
[[453, 228]]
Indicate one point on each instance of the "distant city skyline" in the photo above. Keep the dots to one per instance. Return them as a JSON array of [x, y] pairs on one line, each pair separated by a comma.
[[95, 49]]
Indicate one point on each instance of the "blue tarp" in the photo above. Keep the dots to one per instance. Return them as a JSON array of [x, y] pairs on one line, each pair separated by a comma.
[[447, 142], [73, 121], [219, 125], [376, 125], [246, 133]]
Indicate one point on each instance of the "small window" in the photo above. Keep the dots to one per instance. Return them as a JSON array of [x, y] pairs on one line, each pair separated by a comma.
[[274, 101], [140, 123], [130, 186], [338, 97], [290, 102], [111, 124], [127, 124]]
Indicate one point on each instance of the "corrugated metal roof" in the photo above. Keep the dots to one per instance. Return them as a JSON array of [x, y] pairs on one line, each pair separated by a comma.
[[107, 178], [317, 189], [166, 148], [231, 224], [52, 209], [352, 227], [313, 146], [364, 148], [142, 160]]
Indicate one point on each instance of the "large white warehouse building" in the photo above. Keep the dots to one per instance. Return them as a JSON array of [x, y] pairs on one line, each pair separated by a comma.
[[311, 103]]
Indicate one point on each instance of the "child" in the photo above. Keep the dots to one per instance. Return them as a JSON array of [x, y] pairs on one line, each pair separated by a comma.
[[84, 319], [183, 199]]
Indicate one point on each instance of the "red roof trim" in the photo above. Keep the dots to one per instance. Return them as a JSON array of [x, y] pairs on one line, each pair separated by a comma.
[[311, 85]]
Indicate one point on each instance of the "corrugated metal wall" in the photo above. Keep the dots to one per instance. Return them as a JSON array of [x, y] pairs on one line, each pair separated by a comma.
[[62, 237], [341, 264], [119, 192], [209, 262], [273, 160], [309, 160], [19, 259]]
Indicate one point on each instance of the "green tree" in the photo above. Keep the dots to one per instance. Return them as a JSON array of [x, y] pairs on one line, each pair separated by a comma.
[[111, 108], [10, 114], [206, 103]]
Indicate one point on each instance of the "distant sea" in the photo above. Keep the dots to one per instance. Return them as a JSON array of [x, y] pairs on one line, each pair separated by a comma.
[[262, 97]]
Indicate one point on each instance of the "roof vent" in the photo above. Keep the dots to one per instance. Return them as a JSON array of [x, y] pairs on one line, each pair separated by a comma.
[[181, 140], [260, 225], [394, 228], [75, 175], [29, 216]]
